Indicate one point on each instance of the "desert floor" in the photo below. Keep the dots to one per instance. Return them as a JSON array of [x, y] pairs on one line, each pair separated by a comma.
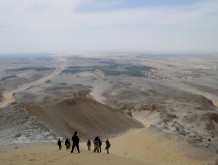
[[141, 146]]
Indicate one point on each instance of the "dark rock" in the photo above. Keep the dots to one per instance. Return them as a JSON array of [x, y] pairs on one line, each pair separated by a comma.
[[182, 132], [17, 135]]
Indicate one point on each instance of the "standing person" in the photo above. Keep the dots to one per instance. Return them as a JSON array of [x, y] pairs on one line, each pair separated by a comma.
[[108, 145], [75, 141], [100, 143], [89, 145], [59, 144], [67, 143], [96, 144]]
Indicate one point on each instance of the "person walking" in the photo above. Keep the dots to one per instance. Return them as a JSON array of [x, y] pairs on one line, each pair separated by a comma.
[[59, 144], [75, 141], [96, 144], [108, 145], [89, 145], [67, 143], [100, 144]]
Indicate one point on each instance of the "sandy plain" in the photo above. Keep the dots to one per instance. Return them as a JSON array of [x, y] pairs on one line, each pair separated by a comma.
[[137, 147]]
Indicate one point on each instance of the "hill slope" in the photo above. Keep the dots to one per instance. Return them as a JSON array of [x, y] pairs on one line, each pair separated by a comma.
[[88, 117]]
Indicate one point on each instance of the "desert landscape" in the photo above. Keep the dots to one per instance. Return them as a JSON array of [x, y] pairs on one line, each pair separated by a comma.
[[155, 109]]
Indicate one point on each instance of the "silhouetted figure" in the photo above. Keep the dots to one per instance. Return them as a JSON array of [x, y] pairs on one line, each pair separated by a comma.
[[96, 144], [67, 143], [100, 143], [89, 145], [108, 145], [75, 141], [59, 144]]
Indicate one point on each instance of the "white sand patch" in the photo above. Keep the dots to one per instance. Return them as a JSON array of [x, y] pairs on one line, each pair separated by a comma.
[[100, 87], [7, 98], [85, 74], [147, 118], [97, 92], [215, 102]]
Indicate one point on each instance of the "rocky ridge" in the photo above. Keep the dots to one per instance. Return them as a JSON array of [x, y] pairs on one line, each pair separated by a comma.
[[17, 126]]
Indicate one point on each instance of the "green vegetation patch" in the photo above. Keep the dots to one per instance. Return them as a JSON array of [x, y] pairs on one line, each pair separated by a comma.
[[112, 69]]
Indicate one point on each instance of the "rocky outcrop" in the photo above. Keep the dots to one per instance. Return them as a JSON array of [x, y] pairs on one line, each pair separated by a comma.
[[17, 126], [214, 117]]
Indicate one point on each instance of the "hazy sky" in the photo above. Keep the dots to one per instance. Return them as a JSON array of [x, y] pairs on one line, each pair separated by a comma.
[[108, 25]]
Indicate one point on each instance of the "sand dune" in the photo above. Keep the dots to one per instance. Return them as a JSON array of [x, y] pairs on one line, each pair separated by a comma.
[[156, 148], [87, 116], [139, 147], [49, 155]]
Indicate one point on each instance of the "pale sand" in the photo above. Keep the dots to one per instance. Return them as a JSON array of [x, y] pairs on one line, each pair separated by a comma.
[[50, 155], [97, 93], [155, 148], [215, 102], [136, 147], [7, 98]]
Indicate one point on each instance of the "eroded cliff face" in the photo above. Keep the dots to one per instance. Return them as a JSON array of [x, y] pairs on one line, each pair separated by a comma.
[[174, 111]]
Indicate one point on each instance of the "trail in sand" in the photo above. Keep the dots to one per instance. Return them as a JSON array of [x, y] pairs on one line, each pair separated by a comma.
[[98, 90], [8, 95]]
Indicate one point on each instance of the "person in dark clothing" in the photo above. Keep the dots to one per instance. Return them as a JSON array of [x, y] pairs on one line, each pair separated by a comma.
[[67, 143], [75, 141], [89, 145], [59, 144], [108, 145], [100, 143], [96, 144]]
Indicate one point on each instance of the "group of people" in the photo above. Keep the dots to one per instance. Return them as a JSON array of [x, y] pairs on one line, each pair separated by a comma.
[[97, 145], [75, 144]]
